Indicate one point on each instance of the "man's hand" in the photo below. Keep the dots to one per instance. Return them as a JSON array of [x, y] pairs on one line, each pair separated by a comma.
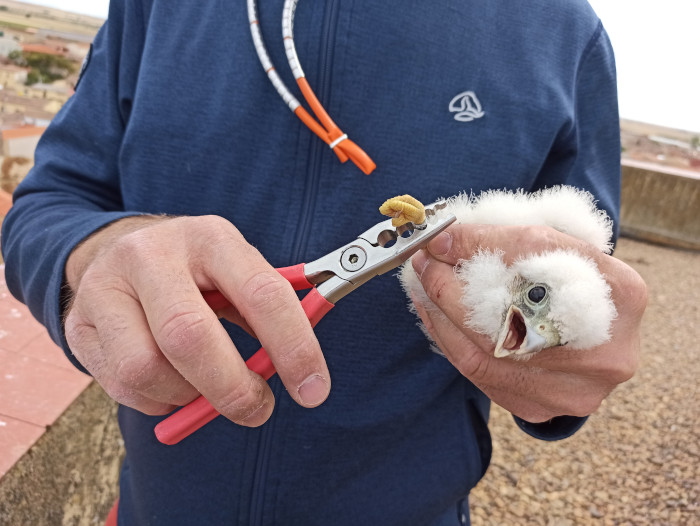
[[137, 320], [554, 382]]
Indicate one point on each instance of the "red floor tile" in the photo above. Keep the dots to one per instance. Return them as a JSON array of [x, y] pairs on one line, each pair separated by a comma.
[[20, 332], [16, 437], [17, 326], [37, 382], [5, 202], [35, 391], [43, 348]]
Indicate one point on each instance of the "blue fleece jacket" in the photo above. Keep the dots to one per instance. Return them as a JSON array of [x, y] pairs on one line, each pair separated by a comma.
[[174, 115]]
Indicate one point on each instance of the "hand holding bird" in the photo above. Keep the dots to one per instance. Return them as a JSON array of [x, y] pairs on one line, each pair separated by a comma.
[[594, 346]]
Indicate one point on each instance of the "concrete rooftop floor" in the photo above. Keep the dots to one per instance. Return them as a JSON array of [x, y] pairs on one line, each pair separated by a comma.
[[37, 382]]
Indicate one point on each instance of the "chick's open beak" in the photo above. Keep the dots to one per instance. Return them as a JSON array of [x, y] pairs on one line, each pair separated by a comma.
[[518, 336]]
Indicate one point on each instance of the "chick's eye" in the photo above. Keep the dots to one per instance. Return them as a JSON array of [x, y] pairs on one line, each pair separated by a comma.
[[537, 294]]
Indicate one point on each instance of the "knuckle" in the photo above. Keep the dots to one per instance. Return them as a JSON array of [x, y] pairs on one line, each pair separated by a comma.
[[143, 251], [540, 236], [636, 294], [83, 343], [624, 368], [469, 238], [545, 237], [534, 231], [217, 225], [296, 357], [241, 401], [104, 276], [184, 332], [475, 366], [583, 405], [128, 396], [264, 291], [618, 368], [216, 230], [535, 414], [213, 239], [135, 253], [134, 246], [466, 238], [155, 408], [138, 370], [435, 285], [76, 330], [94, 282], [120, 393], [481, 236]]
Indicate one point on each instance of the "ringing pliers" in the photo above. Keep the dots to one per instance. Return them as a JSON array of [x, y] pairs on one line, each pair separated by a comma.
[[376, 251]]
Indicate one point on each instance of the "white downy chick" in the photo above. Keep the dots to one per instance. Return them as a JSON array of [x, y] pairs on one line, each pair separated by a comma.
[[542, 300]]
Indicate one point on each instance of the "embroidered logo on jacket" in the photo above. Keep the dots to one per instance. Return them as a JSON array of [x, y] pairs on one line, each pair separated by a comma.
[[466, 107]]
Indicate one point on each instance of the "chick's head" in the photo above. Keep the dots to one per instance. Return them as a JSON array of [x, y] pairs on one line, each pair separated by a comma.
[[527, 326], [540, 301]]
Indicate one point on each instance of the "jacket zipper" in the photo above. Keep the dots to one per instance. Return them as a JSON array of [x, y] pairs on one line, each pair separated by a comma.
[[313, 176], [318, 149]]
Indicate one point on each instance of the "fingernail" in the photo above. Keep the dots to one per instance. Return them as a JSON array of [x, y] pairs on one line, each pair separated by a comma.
[[313, 390], [441, 245], [420, 262]]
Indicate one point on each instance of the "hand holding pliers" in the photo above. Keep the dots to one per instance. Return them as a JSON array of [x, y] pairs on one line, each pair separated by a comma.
[[376, 251]]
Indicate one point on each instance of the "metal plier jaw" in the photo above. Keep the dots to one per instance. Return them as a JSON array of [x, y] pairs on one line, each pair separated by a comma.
[[376, 251]]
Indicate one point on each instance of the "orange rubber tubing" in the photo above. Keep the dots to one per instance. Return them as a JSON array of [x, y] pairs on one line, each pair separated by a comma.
[[315, 127], [315, 105], [346, 149]]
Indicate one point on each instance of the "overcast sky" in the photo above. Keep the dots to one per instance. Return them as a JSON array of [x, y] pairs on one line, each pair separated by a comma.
[[657, 46], [86, 7]]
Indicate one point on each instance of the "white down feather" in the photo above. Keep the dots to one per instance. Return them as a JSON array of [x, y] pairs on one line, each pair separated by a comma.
[[563, 208], [580, 302]]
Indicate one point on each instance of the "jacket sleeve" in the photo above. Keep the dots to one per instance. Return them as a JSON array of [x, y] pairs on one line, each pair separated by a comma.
[[587, 152], [587, 156], [74, 187]]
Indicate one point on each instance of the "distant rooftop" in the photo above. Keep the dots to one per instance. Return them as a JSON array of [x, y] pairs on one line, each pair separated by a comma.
[[65, 35], [24, 131], [26, 102], [51, 87], [12, 67], [45, 49]]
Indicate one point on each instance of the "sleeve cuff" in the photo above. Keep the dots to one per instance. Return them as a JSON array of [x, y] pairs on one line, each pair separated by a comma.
[[558, 428]]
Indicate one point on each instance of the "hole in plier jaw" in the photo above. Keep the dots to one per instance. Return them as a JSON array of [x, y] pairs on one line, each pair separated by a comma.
[[388, 237]]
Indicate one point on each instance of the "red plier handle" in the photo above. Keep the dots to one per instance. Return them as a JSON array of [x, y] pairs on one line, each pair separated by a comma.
[[381, 248], [200, 412]]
